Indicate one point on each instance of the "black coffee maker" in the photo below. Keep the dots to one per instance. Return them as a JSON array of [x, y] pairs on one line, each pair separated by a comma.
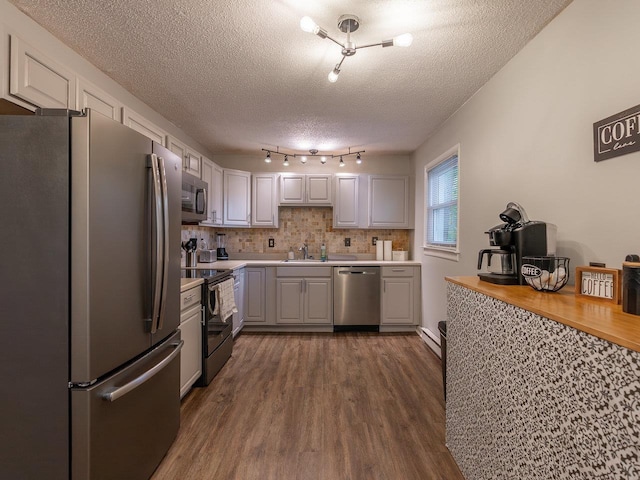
[[516, 238]]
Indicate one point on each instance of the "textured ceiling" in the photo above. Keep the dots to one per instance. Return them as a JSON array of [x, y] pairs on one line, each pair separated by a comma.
[[240, 75]]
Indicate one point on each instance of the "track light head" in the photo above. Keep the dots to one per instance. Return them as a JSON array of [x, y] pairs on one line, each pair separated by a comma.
[[286, 161], [267, 159], [358, 159], [341, 161]]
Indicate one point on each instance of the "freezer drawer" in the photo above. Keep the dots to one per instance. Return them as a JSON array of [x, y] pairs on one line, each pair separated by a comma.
[[127, 436]]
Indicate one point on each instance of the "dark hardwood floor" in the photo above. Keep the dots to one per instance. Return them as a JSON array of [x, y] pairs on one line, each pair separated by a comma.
[[345, 406]]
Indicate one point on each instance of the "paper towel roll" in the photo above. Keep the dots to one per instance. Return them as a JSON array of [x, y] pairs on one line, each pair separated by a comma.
[[379, 250], [387, 250]]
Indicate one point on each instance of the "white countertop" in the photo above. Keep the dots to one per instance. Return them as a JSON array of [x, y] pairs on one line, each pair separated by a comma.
[[236, 264], [188, 283]]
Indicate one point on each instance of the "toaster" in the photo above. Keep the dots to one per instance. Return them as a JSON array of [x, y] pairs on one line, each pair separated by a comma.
[[207, 256]]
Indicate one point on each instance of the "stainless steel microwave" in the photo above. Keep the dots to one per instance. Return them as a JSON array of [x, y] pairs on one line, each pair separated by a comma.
[[194, 199]]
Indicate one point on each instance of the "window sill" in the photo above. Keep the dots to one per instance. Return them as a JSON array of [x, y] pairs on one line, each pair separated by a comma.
[[440, 253]]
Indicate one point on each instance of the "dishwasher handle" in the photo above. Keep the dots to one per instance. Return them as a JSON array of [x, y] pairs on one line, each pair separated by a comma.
[[356, 272]]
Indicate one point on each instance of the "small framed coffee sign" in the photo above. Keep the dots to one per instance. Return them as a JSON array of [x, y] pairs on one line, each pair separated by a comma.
[[601, 283], [617, 135]]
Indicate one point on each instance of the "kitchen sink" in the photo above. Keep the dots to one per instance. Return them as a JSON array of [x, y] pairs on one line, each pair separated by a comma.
[[308, 260]]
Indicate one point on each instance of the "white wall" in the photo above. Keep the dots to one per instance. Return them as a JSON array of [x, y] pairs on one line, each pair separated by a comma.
[[526, 136]]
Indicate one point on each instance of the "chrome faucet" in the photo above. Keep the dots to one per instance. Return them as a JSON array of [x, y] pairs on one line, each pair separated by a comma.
[[305, 251]]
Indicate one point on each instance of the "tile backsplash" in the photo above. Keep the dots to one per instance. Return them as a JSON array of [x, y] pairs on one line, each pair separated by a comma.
[[313, 225]]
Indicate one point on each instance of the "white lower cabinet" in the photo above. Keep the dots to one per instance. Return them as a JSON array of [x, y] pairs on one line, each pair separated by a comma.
[[304, 296], [400, 295], [255, 310], [238, 294], [191, 333]]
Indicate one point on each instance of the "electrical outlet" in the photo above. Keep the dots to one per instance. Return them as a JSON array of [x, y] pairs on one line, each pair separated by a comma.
[[347, 242], [272, 243], [374, 241]]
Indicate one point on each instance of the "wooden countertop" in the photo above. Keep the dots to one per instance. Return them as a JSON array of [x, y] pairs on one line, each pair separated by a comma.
[[600, 319]]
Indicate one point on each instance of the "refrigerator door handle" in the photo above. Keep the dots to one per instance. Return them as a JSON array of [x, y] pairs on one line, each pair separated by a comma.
[[157, 247], [115, 394], [165, 242]]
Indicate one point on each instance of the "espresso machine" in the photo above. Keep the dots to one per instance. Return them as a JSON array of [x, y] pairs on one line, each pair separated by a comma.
[[221, 251], [517, 237]]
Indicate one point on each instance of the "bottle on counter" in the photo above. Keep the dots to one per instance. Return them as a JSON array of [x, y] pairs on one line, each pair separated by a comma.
[[323, 253], [291, 255]]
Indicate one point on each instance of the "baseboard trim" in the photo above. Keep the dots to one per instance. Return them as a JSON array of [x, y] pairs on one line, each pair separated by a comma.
[[430, 339]]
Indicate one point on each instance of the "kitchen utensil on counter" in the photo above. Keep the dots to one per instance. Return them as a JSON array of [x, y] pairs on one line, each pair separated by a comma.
[[221, 252], [545, 273], [190, 247], [516, 238], [207, 256]]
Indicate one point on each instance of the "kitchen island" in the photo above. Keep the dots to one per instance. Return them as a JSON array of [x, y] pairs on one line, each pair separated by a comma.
[[540, 385]]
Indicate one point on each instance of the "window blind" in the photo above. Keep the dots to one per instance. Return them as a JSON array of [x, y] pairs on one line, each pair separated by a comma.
[[442, 204]]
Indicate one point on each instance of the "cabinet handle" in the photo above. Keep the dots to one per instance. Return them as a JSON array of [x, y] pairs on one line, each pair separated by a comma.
[[397, 269], [384, 286], [202, 314]]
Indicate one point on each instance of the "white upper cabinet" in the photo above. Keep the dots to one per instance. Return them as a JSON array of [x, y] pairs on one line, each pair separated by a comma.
[[191, 160], [346, 206], [237, 198], [388, 201], [212, 174], [264, 200], [305, 189], [141, 125], [90, 96], [38, 79]]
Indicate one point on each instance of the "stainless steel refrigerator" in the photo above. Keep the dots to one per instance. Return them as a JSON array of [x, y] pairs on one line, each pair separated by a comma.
[[90, 275]]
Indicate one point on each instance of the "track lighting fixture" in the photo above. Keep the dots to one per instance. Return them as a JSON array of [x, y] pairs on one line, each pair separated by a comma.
[[312, 153], [348, 24]]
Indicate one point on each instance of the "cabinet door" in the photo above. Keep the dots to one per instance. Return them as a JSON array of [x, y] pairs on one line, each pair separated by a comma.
[[318, 189], [216, 188], [137, 122], [264, 200], [238, 292], [38, 79], [318, 306], [397, 300], [90, 96], [346, 206], [191, 354], [192, 162], [255, 305], [179, 148], [289, 300], [212, 174], [237, 198], [292, 189], [388, 201]]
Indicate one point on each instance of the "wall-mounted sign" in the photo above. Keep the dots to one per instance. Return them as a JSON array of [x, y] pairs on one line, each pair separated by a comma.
[[617, 135], [597, 282]]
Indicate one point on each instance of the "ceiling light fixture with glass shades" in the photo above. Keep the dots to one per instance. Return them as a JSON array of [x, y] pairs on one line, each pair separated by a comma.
[[348, 24], [313, 153]]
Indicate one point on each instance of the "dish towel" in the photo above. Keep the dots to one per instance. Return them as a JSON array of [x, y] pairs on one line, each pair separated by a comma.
[[225, 303]]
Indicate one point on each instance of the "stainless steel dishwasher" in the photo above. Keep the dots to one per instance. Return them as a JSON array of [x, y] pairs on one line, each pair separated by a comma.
[[356, 298]]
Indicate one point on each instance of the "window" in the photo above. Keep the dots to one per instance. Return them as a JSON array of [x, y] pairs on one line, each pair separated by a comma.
[[441, 205]]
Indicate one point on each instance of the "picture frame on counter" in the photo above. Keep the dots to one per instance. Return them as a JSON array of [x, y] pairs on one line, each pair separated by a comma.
[[599, 283]]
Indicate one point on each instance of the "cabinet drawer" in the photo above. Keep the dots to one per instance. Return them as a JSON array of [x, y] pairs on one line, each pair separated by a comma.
[[191, 297], [303, 272], [398, 271]]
